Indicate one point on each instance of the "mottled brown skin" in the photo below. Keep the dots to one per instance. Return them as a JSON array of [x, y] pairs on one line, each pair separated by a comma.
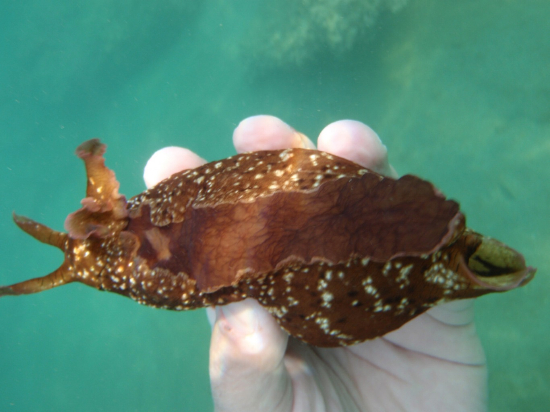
[[336, 252]]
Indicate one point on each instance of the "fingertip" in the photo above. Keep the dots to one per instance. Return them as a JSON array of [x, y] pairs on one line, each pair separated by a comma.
[[264, 132], [247, 328], [167, 161], [357, 142]]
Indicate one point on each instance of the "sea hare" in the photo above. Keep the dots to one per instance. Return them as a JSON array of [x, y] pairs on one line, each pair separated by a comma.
[[334, 251]]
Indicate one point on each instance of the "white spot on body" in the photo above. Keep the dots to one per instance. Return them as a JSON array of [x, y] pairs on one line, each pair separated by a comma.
[[403, 277], [292, 301], [322, 284], [285, 155], [327, 298], [323, 324]]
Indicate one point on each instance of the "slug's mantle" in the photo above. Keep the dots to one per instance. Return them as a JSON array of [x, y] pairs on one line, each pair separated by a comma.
[[335, 252]]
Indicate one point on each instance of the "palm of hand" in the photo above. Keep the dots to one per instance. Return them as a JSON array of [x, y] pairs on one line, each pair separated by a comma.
[[433, 363], [427, 365]]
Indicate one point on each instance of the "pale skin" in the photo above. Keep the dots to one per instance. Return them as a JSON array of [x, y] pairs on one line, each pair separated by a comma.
[[433, 363]]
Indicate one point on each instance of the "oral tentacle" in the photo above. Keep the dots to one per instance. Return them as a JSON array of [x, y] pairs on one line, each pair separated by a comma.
[[60, 276], [41, 232]]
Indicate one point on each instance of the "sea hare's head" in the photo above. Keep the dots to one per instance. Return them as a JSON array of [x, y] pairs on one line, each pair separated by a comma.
[[91, 260], [95, 244]]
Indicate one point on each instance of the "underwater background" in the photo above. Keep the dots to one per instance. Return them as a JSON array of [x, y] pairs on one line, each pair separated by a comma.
[[459, 91]]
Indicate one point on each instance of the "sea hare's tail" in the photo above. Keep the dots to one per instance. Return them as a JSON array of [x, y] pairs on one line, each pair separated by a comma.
[[60, 276], [495, 266]]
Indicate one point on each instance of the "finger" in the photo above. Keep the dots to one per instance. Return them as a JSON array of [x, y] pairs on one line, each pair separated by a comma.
[[265, 132], [248, 346], [247, 372], [357, 142], [167, 161]]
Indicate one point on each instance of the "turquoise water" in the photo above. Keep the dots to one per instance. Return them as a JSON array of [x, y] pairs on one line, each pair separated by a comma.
[[460, 94]]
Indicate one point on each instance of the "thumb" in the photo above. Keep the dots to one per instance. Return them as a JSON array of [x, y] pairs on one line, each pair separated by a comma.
[[247, 372]]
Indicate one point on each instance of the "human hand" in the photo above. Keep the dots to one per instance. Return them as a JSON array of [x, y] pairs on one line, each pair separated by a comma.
[[433, 363]]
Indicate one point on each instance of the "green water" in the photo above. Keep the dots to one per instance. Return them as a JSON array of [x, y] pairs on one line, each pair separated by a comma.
[[459, 92]]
